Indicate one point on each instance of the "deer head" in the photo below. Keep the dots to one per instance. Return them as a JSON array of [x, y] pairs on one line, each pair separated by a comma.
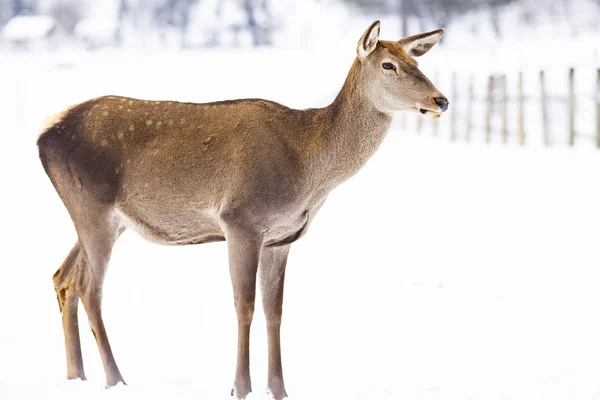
[[391, 77]]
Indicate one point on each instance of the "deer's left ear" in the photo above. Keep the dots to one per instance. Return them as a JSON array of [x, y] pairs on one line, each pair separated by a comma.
[[420, 44], [368, 41]]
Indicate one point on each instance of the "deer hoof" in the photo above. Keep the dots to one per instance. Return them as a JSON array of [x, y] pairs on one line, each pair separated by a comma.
[[241, 397], [277, 396]]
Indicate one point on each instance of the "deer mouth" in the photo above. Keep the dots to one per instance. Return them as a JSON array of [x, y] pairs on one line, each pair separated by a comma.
[[430, 113]]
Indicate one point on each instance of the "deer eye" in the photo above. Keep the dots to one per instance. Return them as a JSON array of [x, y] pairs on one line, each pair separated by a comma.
[[388, 66]]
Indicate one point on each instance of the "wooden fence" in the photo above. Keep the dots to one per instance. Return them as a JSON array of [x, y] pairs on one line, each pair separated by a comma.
[[497, 100]]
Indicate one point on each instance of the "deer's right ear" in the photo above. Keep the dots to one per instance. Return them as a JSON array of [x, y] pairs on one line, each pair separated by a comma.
[[368, 41]]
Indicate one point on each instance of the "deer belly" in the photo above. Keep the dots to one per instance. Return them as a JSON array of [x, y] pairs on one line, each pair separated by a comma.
[[191, 227], [288, 233]]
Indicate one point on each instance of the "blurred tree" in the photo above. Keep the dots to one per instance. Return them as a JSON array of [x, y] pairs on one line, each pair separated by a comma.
[[495, 6], [259, 21], [439, 11], [24, 7], [122, 15], [442, 11], [265, 10], [405, 9], [252, 25], [375, 5], [10, 8], [175, 13], [144, 16], [5, 11], [67, 12]]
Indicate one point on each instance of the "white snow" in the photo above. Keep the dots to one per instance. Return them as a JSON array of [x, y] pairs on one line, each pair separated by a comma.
[[441, 271], [28, 27], [97, 29]]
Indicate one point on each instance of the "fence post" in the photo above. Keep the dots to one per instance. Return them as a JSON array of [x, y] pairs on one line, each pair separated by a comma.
[[504, 112], [453, 114], [546, 138], [521, 116], [488, 115], [598, 108], [470, 109], [19, 104], [571, 106]]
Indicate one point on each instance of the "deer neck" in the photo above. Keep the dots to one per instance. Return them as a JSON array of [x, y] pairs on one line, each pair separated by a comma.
[[352, 129]]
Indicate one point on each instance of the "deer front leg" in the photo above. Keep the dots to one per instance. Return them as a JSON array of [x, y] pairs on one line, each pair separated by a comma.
[[244, 252], [272, 273]]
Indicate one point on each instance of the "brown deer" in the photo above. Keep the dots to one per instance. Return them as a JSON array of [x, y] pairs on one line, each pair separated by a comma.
[[251, 172]]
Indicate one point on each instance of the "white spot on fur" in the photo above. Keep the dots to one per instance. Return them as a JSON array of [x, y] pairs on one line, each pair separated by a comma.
[[159, 124], [129, 110], [105, 113], [130, 102], [121, 107], [182, 121], [149, 122], [123, 99], [104, 142], [211, 212], [131, 128], [120, 134]]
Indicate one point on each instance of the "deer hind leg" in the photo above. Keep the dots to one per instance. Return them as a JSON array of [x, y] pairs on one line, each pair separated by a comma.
[[88, 195], [65, 281], [272, 274], [97, 237], [244, 252]]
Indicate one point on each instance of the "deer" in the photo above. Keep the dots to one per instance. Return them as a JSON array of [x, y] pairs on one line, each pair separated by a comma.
[[250, 172]]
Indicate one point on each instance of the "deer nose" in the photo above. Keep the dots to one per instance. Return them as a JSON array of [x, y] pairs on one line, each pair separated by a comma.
[[442, 102]]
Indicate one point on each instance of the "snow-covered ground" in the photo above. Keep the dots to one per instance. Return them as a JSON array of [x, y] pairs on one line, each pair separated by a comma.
[[441, 271]]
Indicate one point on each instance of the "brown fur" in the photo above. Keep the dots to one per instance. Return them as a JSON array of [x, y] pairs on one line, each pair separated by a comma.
[[396, 50], [252, 172]]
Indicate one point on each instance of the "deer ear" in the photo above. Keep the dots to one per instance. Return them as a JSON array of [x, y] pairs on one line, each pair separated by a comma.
[[368, 41], [420, 44]]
